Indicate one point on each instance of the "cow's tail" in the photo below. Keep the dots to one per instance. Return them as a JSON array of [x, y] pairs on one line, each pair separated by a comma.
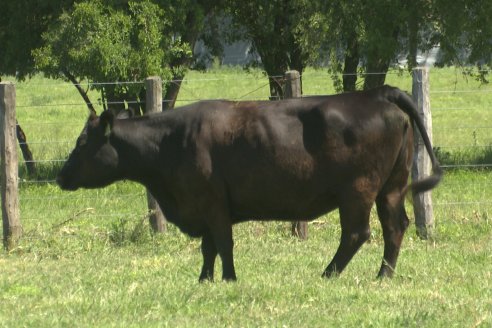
[[403, 101]]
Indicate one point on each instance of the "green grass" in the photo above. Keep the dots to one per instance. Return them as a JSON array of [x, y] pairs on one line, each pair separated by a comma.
[[87, 258]]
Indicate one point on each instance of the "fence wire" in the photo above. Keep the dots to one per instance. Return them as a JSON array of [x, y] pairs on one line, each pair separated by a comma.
[[462, 120]]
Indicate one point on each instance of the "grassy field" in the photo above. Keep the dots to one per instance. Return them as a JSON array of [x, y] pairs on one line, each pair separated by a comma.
[[88, 259]]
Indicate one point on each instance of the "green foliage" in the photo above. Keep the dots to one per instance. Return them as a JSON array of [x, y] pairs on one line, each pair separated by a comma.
[[464, 26], [97, 42], [21, 25], [271, 27], [106, 41], [366, 36], [121, 40]]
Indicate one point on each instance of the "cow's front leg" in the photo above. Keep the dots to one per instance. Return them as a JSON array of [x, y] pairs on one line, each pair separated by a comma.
[[225, 244], [209, 252]]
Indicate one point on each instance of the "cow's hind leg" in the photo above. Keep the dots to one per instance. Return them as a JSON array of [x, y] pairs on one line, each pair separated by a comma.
[[354, 219], [209, 252], [394, 222]]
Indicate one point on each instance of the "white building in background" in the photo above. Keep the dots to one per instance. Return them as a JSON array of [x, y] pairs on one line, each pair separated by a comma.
[[241, 53]]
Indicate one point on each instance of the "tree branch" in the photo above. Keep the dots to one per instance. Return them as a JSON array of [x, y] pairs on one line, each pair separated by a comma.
[[81, 91]]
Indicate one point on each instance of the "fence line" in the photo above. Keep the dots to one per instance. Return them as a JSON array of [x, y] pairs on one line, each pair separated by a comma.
[[50, 142], [219, 79], [128, 195], [199, 99], [48, 161], [50, 123], [66, 83], [324, 75], [81, 104], [36, 181], [457, 108], [463, 203], [93, 214], [437, 128], [223, 79], [446, 166], [310, 75], [464, 146], [163, 81], [469, 166], [464, 127], [460, 91]]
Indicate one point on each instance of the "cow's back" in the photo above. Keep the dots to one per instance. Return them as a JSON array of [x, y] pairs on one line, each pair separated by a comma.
[[291, 159]]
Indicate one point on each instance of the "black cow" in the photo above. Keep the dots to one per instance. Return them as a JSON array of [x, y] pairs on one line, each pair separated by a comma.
[[216, 163]]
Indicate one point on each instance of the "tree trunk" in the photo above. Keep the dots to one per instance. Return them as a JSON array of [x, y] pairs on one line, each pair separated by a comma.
[[297, 61], [172, 91], [377, 66], [413, 42], [81, 91], [276, 87], [351, 63], [375, 73], [26, 151]]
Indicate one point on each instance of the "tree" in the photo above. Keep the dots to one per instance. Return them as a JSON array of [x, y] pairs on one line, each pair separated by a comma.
[[103, 40], [21, 24], [271, 25], [365, 36], [100, 42], [119, 40], [331, 30], [191, 20], [464, 33]]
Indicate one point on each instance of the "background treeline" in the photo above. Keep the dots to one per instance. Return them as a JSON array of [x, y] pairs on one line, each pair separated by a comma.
[[118, 40]]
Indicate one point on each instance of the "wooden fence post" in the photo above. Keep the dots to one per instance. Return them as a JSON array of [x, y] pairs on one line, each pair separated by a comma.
[[293, 90], [153, 103], [12, 229], [422, 166]]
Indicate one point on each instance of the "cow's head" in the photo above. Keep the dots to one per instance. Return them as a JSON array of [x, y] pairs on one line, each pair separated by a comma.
[[94, 161]]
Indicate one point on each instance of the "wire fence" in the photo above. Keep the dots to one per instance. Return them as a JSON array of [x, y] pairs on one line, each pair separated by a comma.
[[52, 115]]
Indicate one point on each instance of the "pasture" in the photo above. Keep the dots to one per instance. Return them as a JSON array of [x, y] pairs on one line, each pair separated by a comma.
[[88, 258]]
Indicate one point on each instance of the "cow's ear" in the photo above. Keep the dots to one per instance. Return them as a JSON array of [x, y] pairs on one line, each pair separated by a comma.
[[106, 121]]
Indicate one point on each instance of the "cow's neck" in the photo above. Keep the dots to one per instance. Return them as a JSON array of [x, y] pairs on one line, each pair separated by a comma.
[[137, 145]]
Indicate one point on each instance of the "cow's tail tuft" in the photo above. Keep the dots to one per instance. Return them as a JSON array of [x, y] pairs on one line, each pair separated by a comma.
[[403, 101]]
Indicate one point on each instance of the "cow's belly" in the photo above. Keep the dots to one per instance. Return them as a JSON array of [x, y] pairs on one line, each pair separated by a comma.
[[282, 212], [281, 201]]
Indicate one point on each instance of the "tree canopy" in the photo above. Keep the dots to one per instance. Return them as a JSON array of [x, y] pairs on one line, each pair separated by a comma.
[[365, 36], [100, 42], [21, 25], [271, 26], [104, 40], [121, 40]]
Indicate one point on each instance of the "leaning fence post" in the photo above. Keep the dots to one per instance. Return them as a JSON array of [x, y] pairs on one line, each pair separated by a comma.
[[293, 90], [153, 103], [12, 229], [422, 166]]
